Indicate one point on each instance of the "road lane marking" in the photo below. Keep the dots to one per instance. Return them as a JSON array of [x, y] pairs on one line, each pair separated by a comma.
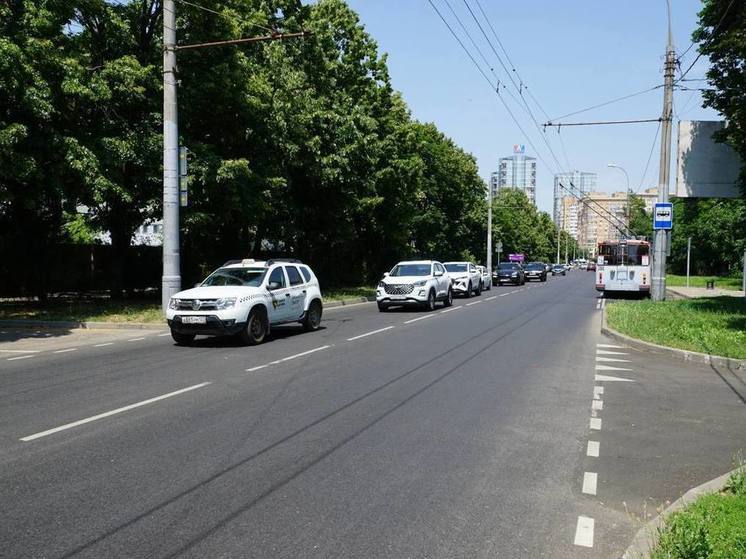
[[596, 423], [369, 333], [611, 360], [603, 303], [256, 368], [310, 351], [472, 303], [504, 294], [610, 368], [594, 413], [135, 339], [584, 532], [420, 318], [490, 298], [104, 345], [20, 357], [166, 334], [597, 391], [593, 449], [612, 346], [606, 352], [597, 405], [605, 378], [66, 350], [598, 304], [590, 480], [449, 310], [112, 412], [20, 351]]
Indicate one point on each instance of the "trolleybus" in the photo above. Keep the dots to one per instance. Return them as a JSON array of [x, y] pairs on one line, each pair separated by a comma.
[[624, 267]]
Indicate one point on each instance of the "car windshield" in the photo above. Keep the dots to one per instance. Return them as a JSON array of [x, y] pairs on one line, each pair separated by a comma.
[[248, 277], [535, 266], [559, 265], [410, 270], [508, 266], [456, 267]]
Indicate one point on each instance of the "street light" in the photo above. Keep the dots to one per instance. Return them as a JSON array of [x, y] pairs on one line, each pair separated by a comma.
[[629, 192]]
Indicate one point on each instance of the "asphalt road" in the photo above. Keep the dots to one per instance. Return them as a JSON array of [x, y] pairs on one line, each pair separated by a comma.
[[459, 433]]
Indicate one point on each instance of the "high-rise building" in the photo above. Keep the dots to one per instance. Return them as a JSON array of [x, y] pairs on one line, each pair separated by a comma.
[[571, 184], [517, 171]]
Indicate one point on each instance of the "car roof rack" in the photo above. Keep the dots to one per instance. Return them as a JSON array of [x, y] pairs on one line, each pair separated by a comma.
[[232, 262], [287, 260]]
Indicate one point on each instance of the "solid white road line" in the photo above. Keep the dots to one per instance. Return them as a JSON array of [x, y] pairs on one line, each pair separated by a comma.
[[135, 339], [611, 346], [21, 357], [20, 351], [490, 298], [593, 449], [597, 405], [611, 360], [584, 532], [590, 480], [605, 378], [369, 333], [420, 318], [504, 294], [112, 412], [606, 352], [66, 350], [104, 345], [597, 391], [609, 368], [473, 303], [603, 303], [166, 334], [596, 423], [256, 368]]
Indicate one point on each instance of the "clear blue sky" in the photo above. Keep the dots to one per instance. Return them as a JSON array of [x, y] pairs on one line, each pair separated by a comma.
[[570, 53]]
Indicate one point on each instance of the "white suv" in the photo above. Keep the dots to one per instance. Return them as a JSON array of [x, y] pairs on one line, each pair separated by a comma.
[[418, 282], [486, 278], [466, 278], [244, 298]]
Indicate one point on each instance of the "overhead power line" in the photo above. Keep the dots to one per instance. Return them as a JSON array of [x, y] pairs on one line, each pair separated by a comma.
[[650, 155], [605, 103], [224, 15], [603, 122]]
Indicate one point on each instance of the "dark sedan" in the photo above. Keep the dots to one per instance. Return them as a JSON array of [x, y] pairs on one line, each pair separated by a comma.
[[559, 270], [536, 271], [508, 272]]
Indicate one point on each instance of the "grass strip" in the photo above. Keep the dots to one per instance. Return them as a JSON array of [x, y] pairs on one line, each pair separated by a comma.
[[733, 284], [713, 325]]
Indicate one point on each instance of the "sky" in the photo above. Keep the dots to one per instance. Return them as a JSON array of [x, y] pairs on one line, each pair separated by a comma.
[[571, 54]]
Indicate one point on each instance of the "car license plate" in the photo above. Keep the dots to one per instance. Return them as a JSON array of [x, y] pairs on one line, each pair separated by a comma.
[[194, 319], [397, 297]]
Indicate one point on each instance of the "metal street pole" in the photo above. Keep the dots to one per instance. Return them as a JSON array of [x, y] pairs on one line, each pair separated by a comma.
[[744, 274], [661, 236], [688, 256], [171, 280], [489, 230]]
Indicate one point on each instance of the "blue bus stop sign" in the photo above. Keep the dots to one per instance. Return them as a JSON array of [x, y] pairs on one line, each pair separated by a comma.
[[663, 215]]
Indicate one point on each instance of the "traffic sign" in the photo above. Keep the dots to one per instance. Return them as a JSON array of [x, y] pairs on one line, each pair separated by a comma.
[[663, 215], [516, 257]]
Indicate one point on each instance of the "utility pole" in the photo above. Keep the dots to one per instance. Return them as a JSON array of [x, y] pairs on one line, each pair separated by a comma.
[[489, 230], [688, 256], [171, 280], [660, 247]]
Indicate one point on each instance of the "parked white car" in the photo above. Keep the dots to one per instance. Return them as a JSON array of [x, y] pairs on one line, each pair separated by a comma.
[[466, 278], [418, 282], [486, 278], [245, 298]]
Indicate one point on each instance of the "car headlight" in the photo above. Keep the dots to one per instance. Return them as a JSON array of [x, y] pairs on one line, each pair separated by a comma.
[[381, 284], [173, 304], [514, 274], [420, 283], [225, 303]]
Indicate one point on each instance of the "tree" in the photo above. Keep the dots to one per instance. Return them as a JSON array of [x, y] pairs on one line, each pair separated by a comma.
[[721, 37], [640, 221], [521, 227]]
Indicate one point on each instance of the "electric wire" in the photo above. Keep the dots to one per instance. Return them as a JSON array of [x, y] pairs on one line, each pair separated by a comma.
[[650, 155], [712, 36], [223, 15]]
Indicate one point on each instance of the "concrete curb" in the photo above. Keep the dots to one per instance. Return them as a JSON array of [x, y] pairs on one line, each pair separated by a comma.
[[647, 537], [75, 325], [686, 355]]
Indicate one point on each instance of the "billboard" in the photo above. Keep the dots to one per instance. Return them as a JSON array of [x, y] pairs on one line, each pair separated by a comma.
[[705, 169]]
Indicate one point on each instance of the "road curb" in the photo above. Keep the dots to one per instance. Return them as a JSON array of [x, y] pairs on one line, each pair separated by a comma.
[[683, 354], [75, 325], [345, 302], [647, 537]]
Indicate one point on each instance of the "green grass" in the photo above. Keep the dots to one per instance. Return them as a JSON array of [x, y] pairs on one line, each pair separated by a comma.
[[104, 310], [714, 325], [713, 527], [734, 284]]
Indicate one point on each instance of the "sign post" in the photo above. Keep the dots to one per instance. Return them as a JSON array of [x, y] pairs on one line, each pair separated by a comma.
[[499, 248]]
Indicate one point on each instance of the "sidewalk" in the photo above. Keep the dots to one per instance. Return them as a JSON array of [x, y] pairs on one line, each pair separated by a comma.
[[697, 292]]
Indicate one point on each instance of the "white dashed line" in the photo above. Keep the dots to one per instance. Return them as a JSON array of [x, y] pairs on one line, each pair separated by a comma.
[[490, 298], [449, 310], [309, 352], [20, 351], [605, 378], [596, 423], [504, 294], [104, 345], [369, 333], [420, 318], [611, 346], [255, 368], [597, 391], [611, 360], [112, 412], [584, 532], [597, 405], [590, 480], [21, 357], [166, 334], [609, 368], [473, 303], [593, 449], [135, 339], [603, 303], [606, 352], [598, 304], [66, 350]]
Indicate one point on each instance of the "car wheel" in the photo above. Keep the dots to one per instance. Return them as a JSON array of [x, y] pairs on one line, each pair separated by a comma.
[[430, 303], [256, 327], [382, 307], [478, 290], [469, 289], [544, 278], [448, 301], [312, 320], [182, 339]]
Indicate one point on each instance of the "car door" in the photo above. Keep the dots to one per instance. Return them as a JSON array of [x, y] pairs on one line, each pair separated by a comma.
[[442, 281], [279, 293], [297, 290]]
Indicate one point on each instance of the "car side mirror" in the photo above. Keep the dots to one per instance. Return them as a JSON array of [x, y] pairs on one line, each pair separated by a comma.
[[385, 274], [437, 273], [271, 286]]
